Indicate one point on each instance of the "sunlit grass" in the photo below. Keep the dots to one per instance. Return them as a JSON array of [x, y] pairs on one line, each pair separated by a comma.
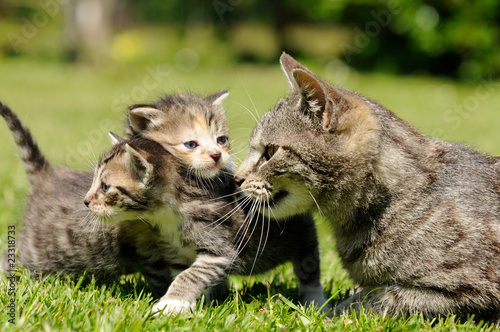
[[70, 108]]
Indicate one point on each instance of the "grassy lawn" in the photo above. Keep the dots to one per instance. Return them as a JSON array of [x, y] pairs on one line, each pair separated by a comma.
[[70, 109]]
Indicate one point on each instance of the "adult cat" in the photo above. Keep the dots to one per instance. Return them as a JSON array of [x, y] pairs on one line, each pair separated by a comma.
[[416, 219]]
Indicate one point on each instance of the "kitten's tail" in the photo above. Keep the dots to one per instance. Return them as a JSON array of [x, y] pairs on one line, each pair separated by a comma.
[[33, 159]]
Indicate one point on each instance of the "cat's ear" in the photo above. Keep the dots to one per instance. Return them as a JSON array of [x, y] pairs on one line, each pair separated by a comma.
[[142, 117], [139, 163], [217, 98], [289, 64], [115, 139], [314, 93]]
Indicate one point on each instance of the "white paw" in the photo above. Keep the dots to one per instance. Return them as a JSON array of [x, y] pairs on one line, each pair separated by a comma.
[[166, 307], [313, 296]]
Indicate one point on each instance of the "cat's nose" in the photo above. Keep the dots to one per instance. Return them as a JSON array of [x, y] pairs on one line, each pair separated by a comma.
[[86, 203], [239, 180], [216, 156]]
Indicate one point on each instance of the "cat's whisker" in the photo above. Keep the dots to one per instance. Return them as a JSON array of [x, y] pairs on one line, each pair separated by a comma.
[[243, 230], [255, 118], [144, 220], [260, 202], [249, 217], [221, 219], [314, 199], [251, 100]]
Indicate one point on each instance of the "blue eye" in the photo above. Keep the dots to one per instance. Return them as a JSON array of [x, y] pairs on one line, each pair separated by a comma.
[[105, 187], [191, 144], [222, 140]]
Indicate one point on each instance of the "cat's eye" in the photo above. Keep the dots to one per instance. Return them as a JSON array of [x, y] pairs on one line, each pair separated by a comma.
[[222, 140], [270, 151], [105, 187], [191, 145]]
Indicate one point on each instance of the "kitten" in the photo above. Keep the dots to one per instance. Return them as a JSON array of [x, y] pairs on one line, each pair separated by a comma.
[[194, 132], [59, 234], [190, 127], [206, 233], [416, 219]]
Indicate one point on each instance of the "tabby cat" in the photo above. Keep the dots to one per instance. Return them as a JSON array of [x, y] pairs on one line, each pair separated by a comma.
[[416, 219], [59, 234], [189, 196]]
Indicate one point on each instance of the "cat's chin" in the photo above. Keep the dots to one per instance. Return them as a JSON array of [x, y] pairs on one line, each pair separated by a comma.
[[209, 172], [115, 216], [285, 204]]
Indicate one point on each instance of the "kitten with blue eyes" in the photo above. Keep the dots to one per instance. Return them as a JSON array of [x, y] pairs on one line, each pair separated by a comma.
[[190, 127], [174, 219], [182, 183]]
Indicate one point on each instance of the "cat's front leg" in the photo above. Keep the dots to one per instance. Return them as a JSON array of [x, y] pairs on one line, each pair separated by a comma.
[[398, 299], [187, 287]]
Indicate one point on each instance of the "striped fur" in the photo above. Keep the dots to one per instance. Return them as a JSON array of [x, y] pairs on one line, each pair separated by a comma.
[[207, 234], [60, 236], [416, 219], [219, 237], [228, 237], [33, 159]]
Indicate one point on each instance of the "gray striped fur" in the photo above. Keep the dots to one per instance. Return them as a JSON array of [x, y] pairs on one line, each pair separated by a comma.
[[416, 219], [209, 231]]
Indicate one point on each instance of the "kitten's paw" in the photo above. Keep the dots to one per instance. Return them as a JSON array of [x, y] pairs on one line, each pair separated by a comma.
[[169, 307], [314, 296]]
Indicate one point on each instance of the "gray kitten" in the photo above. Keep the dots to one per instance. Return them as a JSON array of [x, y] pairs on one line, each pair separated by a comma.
[[416, 219], [229, 236], [60, 235], [206, 234]]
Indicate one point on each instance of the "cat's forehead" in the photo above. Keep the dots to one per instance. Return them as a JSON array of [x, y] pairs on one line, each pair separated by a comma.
[[195, 118], [112, 161], [281, 122]]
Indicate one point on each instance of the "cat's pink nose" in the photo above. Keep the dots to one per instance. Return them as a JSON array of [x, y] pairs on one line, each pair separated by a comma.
[[216, 156]]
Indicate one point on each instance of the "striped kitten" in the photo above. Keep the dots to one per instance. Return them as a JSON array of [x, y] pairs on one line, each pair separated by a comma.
[[205, 233], [416, 219], [194, 134], [60, 236]]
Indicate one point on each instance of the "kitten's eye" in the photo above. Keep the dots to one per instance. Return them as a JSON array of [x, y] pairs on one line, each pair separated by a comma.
[[191, 144], [105, 187], [222, 140], [270, 151]]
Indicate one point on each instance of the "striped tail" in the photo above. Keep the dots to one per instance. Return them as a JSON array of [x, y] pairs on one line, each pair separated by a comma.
[[33, 159]]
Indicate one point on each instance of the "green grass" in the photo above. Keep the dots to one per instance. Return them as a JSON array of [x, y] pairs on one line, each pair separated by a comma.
[[68, 108]]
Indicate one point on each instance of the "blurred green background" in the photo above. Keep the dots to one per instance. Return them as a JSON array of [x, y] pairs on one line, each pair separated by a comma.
[[70, 68]]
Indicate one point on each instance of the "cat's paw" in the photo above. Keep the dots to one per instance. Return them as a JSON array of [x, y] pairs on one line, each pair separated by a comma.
[[169, 307], [314, 296]]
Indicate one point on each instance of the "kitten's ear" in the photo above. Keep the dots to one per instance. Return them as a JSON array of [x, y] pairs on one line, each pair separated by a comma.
[[217, 98], [115, 139], [142, 117], [140, 165], [315, 94]]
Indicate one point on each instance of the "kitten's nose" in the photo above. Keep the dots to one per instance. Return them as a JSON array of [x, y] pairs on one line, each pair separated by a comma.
[[239, 180], [216, 156], [86, 203]]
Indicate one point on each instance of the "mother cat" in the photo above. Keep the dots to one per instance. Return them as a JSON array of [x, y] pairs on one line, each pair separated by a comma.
[[416, 220]]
